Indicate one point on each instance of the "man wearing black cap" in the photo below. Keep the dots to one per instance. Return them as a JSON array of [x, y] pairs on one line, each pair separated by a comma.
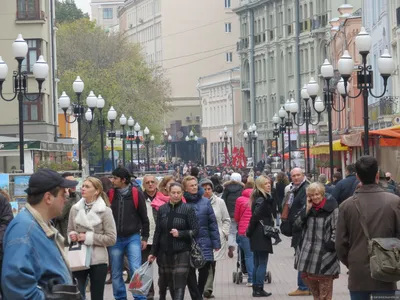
[[33, 248]]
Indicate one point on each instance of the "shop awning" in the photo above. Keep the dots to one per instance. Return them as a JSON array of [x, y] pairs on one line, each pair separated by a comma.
[[388, 132], [323, 148]]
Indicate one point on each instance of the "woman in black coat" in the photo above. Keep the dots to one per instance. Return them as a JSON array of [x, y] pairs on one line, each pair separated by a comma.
[[261, 245]]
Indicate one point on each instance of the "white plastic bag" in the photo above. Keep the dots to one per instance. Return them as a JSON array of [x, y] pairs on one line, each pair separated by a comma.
[[142, 279], [79, 257]]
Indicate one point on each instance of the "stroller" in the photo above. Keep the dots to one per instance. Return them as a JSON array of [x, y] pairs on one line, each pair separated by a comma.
[[241, 271]]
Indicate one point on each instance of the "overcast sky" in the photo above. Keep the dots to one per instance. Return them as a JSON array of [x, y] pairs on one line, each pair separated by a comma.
[[84, 5]]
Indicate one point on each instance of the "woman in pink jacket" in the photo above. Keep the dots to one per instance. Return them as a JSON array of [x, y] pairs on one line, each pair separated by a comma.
[[242, 218]]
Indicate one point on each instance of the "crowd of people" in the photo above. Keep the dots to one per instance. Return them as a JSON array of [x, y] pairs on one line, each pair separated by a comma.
[[127, 224]]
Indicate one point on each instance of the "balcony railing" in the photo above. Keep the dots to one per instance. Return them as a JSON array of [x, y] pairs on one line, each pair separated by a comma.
[[34, 14], [243, 44]]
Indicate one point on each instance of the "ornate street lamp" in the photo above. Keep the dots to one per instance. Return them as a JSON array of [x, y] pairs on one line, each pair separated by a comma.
[[137, 140], [131, 136], [251, 136], [122, 122], [386, 67], [20, 85], [100, 105], [112, 115], [286, 124], [146, 132], [79, 110]]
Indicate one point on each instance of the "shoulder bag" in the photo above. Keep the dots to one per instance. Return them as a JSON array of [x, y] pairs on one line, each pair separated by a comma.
[[269, 231], [53, 290], [384, 254], [197, 259]]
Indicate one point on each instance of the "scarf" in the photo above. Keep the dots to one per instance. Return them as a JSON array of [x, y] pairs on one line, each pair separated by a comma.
[[319, 206], [88, 206], [193, 197], [294, 189]]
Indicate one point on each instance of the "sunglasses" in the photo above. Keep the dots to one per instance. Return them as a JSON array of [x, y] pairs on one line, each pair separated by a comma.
[[150, 182]]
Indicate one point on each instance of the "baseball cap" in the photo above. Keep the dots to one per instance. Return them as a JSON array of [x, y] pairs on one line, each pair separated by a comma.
[[45, 180]]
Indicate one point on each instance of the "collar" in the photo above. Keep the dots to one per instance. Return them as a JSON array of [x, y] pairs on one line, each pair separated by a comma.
[[48, 229], [369, 188]]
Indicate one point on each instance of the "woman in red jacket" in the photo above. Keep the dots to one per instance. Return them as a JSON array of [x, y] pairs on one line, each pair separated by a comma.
[[242, 218]]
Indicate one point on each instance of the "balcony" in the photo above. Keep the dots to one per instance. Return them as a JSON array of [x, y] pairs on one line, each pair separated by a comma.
[[319, 22], [242, 44], [30, 15]]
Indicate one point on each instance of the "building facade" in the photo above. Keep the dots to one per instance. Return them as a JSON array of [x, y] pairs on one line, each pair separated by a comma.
[[187, 43], [221, 107], [32, 19], [105, 13], [275, 63]]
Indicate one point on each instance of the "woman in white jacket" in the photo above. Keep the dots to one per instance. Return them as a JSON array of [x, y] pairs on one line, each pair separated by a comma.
[[91, 222], [224, 223]]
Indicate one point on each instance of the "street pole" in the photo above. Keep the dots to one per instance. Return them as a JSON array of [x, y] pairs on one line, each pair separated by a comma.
[[329, 100], [112, 136], [101, 125], [131, 136], [308, 140], [79, 132], [123, 145], [137, 145], [366, 121]]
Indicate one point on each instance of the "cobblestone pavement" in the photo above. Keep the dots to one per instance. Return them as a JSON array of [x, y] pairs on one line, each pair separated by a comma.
[[284, 279]]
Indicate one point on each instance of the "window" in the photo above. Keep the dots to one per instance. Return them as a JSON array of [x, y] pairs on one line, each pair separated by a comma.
[[227, 3], [34, 51], [228, 27], [229, 57], [107, 13], [33, 109], [28, 10]]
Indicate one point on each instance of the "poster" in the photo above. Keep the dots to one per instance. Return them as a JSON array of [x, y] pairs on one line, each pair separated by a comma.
[[20, 185], [298, 160], [5, 182]]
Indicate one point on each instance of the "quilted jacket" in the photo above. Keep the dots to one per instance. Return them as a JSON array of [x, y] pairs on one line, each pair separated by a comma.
[[208, 237], [243, 211]]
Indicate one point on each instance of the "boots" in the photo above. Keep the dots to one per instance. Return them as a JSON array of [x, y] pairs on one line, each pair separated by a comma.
[[258, 291], [179, 294]]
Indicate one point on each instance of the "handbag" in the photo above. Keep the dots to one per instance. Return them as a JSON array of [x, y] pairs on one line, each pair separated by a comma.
[[79, 256], [197, 259], [286, 226], [269, 231], [142, 280], [384, 254], [53, 290]]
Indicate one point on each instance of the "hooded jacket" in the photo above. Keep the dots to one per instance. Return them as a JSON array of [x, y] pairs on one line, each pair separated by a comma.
[[208, 237], [243, 211], [232, 191]]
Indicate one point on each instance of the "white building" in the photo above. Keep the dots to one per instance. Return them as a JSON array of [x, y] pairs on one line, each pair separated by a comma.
[[105, 12], [272, 69]]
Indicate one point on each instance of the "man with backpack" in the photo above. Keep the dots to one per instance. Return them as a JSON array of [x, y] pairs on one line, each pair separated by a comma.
[[374, 213], [128, 205]]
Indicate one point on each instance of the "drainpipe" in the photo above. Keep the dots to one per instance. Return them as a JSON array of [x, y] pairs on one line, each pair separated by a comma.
[[201, 118], [298, 78], [233, 109], [252, 74], [53, 68]]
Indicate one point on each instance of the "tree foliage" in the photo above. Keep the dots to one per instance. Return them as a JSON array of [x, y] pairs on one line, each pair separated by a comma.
[[67, 11], [110, 65]]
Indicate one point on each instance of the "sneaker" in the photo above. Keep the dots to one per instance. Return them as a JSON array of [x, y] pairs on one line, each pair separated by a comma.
[[230, 251], [249, 284], [208, 295], [300, 293]]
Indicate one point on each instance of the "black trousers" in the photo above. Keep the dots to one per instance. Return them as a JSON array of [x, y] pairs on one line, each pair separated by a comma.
[[145, 255], [173, 272], [97, 275], [196, 286]]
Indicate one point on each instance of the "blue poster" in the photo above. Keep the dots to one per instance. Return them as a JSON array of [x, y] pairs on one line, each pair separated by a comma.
[[20, 185], [5, 182]]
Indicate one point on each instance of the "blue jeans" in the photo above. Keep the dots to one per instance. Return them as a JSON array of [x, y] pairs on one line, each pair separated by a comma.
[[244, 244], [278, 219], [367, 295], [260, 267], [132, 247], [300, 283]]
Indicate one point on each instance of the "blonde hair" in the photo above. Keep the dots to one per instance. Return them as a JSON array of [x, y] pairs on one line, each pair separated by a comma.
[[144, 179], [259, 186], [186, 180], [250, 183], [98, 185], [163, 184], [315, 187], [5, 194]]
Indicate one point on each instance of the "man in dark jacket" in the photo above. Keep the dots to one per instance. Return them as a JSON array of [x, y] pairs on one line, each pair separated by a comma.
[[381, 214], [132, 230], [345, 188], [296, 200], [6, 216], [232, 190], [61, 222]]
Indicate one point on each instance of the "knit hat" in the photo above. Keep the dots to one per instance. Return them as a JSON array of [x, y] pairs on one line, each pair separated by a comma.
[[206, 181], [236, 177]]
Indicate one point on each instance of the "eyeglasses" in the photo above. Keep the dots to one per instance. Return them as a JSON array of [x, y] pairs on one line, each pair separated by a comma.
[[150, 182]]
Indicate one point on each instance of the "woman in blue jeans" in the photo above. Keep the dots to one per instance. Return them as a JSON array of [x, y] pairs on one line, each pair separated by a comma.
[[261, 245]]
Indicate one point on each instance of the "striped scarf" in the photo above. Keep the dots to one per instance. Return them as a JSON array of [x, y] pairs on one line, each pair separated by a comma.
[[294, 189]]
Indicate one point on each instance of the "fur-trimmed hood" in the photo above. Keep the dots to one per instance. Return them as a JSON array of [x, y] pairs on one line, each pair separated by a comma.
[[233, 183], [91, 219]]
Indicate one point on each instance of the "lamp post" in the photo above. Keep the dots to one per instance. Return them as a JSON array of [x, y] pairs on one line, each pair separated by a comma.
[[328, 103], [79, 111], [152, 146], [225, 136], [112, 115], [249, 136], [286, 125], [146, 132], [131, 136], [192, 138], [101, 124], [122, 122], [275, 120], [386, 67], [137, 140], [307, 120], [40, 71]]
